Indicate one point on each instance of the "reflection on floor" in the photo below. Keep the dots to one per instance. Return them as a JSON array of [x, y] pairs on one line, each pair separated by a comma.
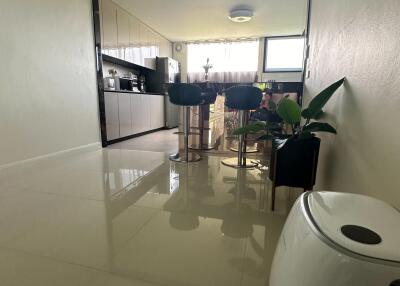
[[160, 141], [122, 217]]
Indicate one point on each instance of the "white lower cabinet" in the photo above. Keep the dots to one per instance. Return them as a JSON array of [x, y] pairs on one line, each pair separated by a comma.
[[125, 114], [157, 111], [136, 100], [147, 112], [132, 113], [112, 115]]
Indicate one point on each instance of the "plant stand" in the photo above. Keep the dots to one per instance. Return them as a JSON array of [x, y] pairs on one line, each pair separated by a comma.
[[294, 164]]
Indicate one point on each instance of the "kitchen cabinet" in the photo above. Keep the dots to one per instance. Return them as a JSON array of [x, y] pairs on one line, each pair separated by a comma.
[[157, 43], [125, 115], [134, 32], [127, 38], [112, 115], [156, 111], [136, 111], [132, 113], [143, 34], [109, 27], [134, 54], [145, 113], [140, 113], [123, 26], [147, 42]]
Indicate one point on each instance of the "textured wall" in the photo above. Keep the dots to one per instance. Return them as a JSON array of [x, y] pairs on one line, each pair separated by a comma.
[[359, 39], [48, 93]]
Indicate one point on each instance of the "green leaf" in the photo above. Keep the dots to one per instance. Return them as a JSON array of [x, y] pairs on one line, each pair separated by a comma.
[[319, 115], [251, 128], [318, 127], [289, 111], [319, 101]]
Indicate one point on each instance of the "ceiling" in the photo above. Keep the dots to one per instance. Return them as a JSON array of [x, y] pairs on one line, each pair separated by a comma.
[[188, 20]]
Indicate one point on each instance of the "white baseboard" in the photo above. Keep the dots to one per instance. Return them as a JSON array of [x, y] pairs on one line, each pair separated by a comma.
[[75, 150]]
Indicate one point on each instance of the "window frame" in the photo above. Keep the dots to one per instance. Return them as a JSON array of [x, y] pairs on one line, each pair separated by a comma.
[[265, 54]]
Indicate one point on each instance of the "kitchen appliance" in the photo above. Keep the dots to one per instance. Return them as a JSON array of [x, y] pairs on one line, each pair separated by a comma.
[[125, 83], [129, 83], [338, 239], [167, 72]]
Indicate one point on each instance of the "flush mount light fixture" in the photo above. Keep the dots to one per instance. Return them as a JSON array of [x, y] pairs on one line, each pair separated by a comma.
[[241, 15]]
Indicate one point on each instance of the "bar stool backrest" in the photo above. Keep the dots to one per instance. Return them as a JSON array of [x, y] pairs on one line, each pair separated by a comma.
[[243, 97], [208, 96], [184, 94]]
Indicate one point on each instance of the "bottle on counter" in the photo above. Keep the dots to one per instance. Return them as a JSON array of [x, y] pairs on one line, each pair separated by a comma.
[[142, 83]]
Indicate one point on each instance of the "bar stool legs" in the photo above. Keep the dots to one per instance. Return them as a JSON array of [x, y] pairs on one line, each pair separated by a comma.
[[246, 148], [201, 145], [241, 161], [187, 156]]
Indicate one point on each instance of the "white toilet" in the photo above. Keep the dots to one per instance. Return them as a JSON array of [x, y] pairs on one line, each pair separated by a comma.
[[338, 239]]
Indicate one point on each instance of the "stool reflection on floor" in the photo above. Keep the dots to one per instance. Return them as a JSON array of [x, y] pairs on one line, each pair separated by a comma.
[[242, 98], [185, 95]]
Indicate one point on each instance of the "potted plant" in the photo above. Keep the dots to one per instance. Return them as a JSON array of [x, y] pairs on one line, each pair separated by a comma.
[[294, 155]]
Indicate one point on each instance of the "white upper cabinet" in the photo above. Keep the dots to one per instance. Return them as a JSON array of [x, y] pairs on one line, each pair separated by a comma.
[[134, 43], [134, 32], [109, 26], [123, 34], [157, 42], [126, 37], [143, 34]]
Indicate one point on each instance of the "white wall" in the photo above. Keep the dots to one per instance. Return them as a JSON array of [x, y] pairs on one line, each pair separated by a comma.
[[48, 93], [359, 39]]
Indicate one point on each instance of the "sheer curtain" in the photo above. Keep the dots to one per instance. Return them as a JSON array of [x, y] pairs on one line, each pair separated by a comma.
[[232, 61]]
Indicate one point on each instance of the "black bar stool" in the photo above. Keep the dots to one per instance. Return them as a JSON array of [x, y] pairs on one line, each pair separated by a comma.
[[242, 98], [208, 97], [247, 149], [185, 95]]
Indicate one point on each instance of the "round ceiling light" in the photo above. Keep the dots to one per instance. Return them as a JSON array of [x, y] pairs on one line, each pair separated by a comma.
[[241, 15]]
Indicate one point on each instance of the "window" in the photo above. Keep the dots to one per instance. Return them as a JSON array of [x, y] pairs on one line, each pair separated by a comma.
[[235, 61], [284, 54], [224, 56]]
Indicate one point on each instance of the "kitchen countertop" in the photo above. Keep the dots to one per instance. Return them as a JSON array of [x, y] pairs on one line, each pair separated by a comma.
[[135, 92]]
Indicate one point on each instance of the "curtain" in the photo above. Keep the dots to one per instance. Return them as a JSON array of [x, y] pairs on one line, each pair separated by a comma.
[[232, 62]]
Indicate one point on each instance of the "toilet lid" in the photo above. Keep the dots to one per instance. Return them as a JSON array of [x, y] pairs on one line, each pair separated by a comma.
[[360, 224]]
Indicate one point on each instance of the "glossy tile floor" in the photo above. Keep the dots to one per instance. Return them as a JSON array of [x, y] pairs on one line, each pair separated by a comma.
[[127, 217], [160, 141]]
